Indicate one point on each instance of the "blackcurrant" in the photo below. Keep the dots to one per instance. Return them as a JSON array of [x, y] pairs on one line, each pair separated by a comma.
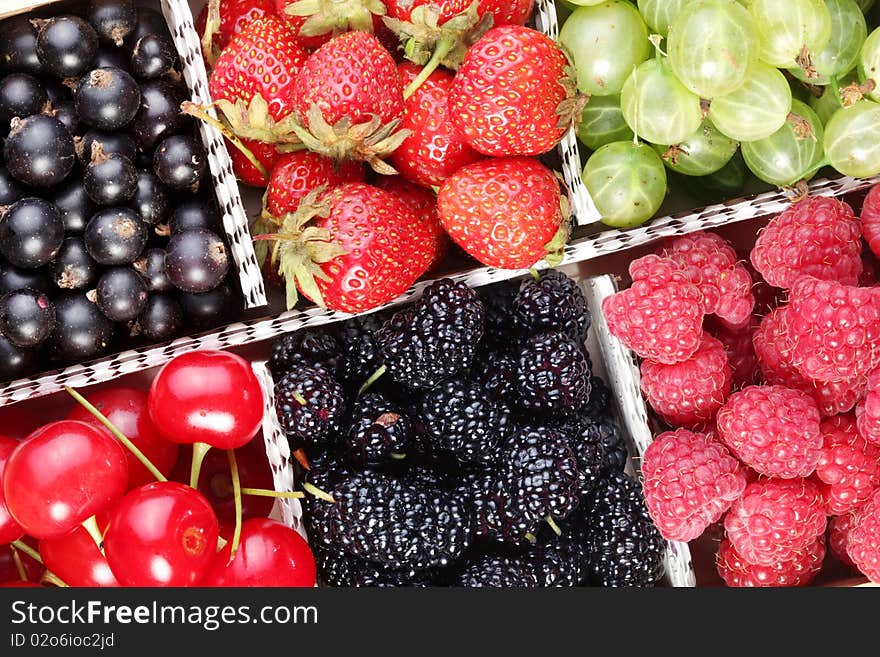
[[39, 150], [113, 20], [151, 266], [110, 179], [195, 213], [26, 317], [180, 162], [111, 142], [121, 294], [153, 56], [74, 204], [110, 56], [18, 46], [209, 308], [196, 260], [159, 114], [115, 236], [57, 91], [10, 190], [107, 98], [20, 95], [13, 278], [66, 45], [161, 318], [81, 330], [65, 112], [73, 268], [150, 199], [147, 21], [31, 232], [14, 361]]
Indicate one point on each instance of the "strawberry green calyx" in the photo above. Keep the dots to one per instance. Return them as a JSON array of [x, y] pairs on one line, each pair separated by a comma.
[[335, 16], [254, 121], [556, 246], [569, 110], [212, 25]]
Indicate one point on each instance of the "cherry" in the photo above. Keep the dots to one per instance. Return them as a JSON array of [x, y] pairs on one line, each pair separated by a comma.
[[127, 409], [61, 475], [9, 569], [17, 421], [20, 585], [270, 554], [161, 534], [10, 530], [77, 560]]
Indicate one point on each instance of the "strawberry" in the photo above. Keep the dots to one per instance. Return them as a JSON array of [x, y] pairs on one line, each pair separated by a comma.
[[315, 22], [434, 150], [351, 248], [231, 18], [253, 80], [505, 212], [245, 170], [513, 94], [424, 203], [296, 174], [349, 100]]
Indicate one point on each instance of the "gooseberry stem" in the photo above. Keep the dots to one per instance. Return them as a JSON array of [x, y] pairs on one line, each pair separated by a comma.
[[199, 452], [236, 496], [264, 492], [28, 550], [90, 524]]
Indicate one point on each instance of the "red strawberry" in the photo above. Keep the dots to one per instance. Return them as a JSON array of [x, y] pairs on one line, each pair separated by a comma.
[[434, 150], [253, 80], [349, 100], [233, 16], [424, 203], [513, 94], [351, 248], [505, 212], [314, 24], [296, 174], [245, 170]]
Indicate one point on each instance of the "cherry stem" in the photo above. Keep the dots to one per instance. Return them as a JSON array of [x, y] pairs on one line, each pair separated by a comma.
[[28, 550], [19, 566], [236, 496], [52, 578], [199, 452], [90, 524], [443, 48], [373, 378], [121, 437], [265, 492], [553, 525], [317, 492]]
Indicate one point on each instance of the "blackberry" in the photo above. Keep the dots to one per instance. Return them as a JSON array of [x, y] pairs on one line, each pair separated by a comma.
[[600, 398], [553, 302], [422, 475], [497, 571], [358, 360], [302, 349], [379, 432], [436, 338], [562, 561], [497, 303], [625, 547], [379, 518], [496, 372], [310, 405], [584, 436], [553, 375], [611, 435], [462, 422], [335, 568]]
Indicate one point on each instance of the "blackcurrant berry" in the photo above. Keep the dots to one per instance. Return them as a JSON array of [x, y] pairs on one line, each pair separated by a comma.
[[159, 113], [107, 98], [13, 278], [196, 260], [66, 45], [150, 199], [26, 317], [161, 318], [18, 46], [110, 179], [180, 162], [74, 204], [20, 95], [10, 190], [73, 268], [31, 232], [66, 113], [195, 213], [39, 150], [57, 91], [151, 266], [111, 142], [14, 361], [121, 294], [110, 56], [115, 236], [209, 308], [153, 56], [147, 21], [81, 330], [113, 20]]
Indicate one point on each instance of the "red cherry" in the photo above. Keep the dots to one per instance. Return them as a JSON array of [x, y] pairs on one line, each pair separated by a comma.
[[127, 409], [210, 397], [76, 559], [270, 554], [9, 529], [18, 422], [20, 585], [161, 534], [61, 475], [33, 569]]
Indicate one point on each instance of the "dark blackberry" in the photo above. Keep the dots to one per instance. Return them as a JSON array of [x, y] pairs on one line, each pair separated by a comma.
[[497, 571], [553, 375], [359, 356], [424, 476], [496, 372], [611, 435], [380, 431], [498, 301], [310, 405], [302, 349], [625, 547], [552, 302], [335, 568], [584, 436], [436, 338], [600, 398], [562, 561], [463, 423], [383, 519]]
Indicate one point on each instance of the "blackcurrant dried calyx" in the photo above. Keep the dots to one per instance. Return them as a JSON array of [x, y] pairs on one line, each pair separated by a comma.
[[196, 260], [39, 150], [18, 46], [151, 266], [111, 142], [73, 268], [161, 318], [26, 317], [153, 56], [14, 361], [150, 199], [20, 95], [74, 205], [109, 179], [180, 162], [31, 232], [115, 236], [66, 45], [121, 294], [113, 20], [81, 330], [159, 113], [107, 98]]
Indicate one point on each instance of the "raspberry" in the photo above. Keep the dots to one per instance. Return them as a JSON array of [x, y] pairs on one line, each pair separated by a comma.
[[712, 265], [660, 317], [849, 468], [868, 410], [689, 393], [767, 297], [775, 519], [833, 329], [773, 429], [838, 536], [740, 351], [863, 544], [774, 359], [871, 219], [690, 480], [799, 571], [817, 237]]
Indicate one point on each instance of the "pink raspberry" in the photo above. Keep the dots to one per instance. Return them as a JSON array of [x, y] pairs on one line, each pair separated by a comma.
[[690, 392], [773, 429], [713, 266], [660, 317], [863, 545], [871, 219], [817, 237], [849, 467], [774, 359], [868, 410], [775, 519], [766, 296], [833, 330], [690, 480], [838, 536], [799, 571], [740, 352]]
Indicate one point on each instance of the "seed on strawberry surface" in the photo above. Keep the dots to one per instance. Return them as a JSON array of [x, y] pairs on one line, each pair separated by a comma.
[[294, 175]]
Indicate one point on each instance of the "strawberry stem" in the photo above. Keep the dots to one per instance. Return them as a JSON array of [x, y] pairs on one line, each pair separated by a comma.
[[21, 546], [265, 492], [199, 112], [90, 524], [199, 452], [373, 378], [444, 47], [236, 496]]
